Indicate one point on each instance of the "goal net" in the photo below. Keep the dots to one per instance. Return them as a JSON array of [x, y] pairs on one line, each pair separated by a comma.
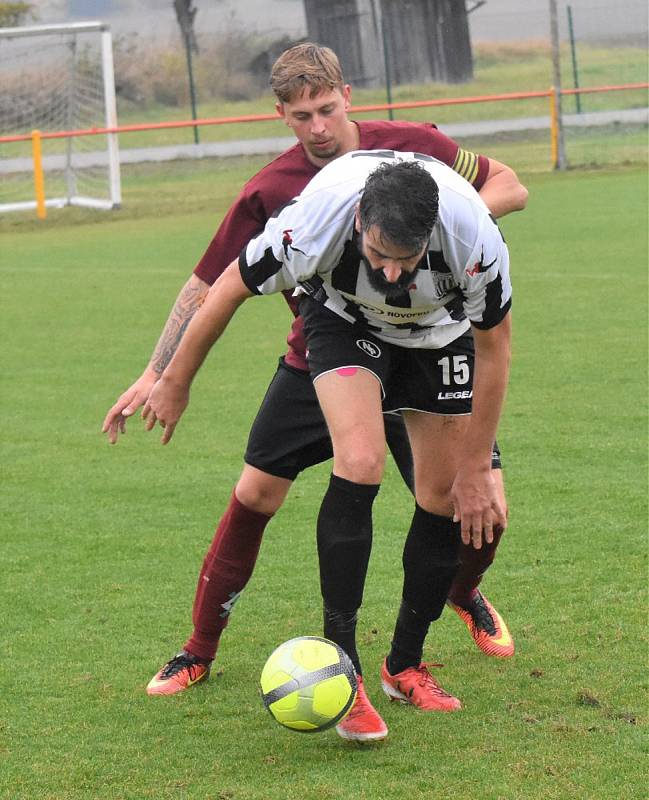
[[58, 78]]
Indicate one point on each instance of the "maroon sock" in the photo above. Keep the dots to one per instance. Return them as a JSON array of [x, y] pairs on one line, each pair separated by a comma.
[[226, 570], [474, 564]]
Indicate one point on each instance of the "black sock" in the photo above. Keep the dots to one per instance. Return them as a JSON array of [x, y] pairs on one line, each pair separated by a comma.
[[408, 642], [344, 545], [344, 542], [340, 627], [430, 561]]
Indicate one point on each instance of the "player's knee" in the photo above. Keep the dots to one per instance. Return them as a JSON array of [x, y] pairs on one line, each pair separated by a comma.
[[360, 464], [261, 492], [435, 498]]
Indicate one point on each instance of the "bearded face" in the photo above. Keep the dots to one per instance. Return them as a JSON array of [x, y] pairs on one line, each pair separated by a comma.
[[402, 268]]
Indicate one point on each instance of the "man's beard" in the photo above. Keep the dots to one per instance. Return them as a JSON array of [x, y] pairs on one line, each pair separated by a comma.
[[379, 282]]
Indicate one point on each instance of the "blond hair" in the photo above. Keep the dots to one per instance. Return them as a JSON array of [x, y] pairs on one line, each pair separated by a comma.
[[306, 65]]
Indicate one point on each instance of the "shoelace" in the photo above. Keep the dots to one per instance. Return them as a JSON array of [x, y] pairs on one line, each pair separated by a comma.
[[178, 663], [427, 680], [359, 706], [358, 709], [481, 616]]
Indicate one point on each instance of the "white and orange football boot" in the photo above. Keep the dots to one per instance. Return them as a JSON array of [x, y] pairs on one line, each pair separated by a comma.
[[183, 671]]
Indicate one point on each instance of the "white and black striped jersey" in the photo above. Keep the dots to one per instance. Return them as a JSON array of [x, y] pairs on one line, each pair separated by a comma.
[[311, 245]]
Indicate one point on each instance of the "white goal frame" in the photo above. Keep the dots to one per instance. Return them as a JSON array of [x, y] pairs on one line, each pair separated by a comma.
[[66, 162]]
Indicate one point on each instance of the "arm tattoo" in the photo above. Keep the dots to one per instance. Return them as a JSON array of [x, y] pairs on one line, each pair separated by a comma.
[[189, 301]]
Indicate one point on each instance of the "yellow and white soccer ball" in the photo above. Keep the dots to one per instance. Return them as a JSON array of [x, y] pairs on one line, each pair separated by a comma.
[[308, 684]]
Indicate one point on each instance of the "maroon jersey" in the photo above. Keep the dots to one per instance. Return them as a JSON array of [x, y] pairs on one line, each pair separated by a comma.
[[285, 177]]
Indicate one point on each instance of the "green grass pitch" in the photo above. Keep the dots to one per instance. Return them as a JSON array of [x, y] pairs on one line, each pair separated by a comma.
[[101, 546]]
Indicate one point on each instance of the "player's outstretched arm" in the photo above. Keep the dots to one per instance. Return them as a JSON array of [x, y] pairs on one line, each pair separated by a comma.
[[187, 303], [502, 192], [477, 503], [170, 395]]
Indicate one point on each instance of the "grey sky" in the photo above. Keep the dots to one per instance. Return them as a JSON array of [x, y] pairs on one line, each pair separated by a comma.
[[504, 20]]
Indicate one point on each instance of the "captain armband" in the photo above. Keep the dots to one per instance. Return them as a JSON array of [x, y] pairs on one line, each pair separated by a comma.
[[466, 164]]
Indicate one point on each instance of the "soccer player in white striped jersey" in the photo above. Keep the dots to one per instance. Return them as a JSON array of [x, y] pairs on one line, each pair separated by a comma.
[[398, 261], [313, 100]]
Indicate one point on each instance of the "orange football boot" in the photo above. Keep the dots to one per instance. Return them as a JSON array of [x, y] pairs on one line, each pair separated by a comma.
[[415, 685], [183, 671], [363, 722], [485, 624]]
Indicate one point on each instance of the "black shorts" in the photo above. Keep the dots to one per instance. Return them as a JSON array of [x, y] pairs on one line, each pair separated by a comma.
[[290, 434], [435, 381]]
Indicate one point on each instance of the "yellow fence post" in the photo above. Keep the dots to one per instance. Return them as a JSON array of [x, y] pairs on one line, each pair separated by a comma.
[[39, 180]]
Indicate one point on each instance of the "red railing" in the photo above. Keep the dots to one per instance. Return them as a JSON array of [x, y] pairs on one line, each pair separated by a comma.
[[152, 126]]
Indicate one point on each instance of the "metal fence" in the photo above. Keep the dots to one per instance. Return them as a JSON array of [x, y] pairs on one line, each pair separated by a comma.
[[601, 44]]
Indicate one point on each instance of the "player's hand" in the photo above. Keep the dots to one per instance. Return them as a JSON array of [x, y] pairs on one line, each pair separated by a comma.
[[165, 406], [477, 506], [127, 404]]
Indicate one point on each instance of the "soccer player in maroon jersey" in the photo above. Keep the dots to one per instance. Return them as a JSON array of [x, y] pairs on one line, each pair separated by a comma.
[[287, 437]]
